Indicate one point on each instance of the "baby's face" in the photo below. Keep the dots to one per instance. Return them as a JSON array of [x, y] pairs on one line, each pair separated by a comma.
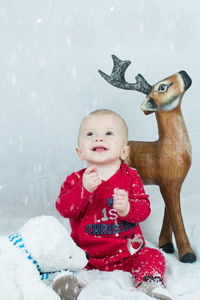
[[102, 139]]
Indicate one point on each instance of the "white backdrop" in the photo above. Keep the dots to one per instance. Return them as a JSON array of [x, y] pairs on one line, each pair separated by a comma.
[[50, 51]]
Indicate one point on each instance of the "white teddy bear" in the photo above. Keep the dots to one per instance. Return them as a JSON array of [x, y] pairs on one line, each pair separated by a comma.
[[37, 252]]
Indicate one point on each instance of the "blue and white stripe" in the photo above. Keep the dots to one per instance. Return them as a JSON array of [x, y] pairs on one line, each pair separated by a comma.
[[17, 240]]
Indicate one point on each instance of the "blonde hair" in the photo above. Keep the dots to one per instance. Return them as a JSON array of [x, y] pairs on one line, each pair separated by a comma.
[[106, 112]]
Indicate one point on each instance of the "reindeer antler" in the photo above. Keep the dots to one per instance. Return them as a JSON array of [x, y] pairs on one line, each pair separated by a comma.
[[117, 77]]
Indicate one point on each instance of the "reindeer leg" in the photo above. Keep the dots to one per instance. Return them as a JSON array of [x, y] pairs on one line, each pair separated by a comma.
[[165, 238], [171, 195]]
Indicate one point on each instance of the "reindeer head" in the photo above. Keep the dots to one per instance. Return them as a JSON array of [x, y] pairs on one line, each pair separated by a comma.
[[163, 96]]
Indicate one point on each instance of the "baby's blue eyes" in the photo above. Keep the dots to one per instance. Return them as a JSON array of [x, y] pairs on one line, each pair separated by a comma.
[[91, 133], [109, 133]]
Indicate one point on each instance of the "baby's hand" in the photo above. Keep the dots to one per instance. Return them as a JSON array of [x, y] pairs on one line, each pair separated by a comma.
[[91, 179], [121, 203]]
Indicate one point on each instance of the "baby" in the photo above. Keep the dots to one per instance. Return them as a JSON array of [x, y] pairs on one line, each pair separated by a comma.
[[106, 203]]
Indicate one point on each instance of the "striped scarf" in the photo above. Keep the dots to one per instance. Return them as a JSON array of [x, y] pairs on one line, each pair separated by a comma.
[[17, 241]]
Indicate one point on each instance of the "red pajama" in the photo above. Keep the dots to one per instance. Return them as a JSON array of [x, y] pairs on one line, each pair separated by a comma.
[[98, 229], [146, 262]]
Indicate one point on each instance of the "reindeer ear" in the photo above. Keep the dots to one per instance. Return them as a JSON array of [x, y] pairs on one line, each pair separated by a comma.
[[170, 105]]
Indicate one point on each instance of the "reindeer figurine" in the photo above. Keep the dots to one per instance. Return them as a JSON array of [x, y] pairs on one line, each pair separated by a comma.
[[164, 162]]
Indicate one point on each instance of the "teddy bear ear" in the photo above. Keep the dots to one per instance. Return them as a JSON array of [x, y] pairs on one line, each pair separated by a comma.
[[134, 245]]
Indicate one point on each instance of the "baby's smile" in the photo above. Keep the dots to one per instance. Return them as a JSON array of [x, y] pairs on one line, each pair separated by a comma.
[[99, 148]]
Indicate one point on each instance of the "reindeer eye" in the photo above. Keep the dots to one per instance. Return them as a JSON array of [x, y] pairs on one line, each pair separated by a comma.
[[162, 88]]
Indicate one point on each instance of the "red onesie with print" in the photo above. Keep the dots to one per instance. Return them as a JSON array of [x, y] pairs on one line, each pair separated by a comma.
[[101, 232]]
